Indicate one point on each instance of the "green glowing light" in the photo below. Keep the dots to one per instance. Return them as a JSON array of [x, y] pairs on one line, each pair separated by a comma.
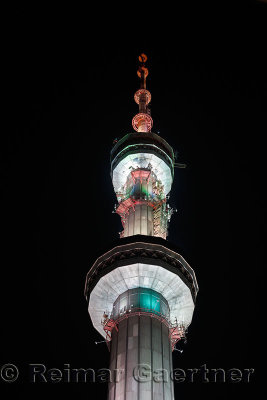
[[150, 302]]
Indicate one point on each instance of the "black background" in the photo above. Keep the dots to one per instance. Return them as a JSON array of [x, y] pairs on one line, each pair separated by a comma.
[[69, 81]]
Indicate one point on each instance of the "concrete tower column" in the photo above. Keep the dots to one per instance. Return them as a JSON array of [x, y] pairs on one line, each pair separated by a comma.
[[139, 221], [141, 347]]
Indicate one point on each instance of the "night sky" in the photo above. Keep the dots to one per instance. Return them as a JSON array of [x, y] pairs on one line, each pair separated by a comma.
[[68, 93]]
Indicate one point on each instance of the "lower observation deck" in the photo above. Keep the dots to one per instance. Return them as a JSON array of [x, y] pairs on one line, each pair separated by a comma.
[[141, 262]]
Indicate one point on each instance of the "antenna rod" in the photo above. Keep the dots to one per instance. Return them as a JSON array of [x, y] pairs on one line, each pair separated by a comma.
[[142, 122]]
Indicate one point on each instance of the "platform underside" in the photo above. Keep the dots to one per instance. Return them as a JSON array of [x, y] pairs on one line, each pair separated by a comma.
[[170, 285], [141, 264]]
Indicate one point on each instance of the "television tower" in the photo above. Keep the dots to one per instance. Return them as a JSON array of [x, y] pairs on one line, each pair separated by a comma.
[[141, 293]]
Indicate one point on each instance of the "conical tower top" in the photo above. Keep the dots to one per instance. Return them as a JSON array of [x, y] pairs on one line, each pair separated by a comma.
[[142, 122]]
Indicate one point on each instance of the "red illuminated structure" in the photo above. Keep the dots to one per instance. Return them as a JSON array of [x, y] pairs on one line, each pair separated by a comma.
[[142, 122]]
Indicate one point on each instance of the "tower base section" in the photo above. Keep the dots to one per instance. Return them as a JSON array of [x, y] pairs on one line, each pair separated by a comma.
[[141, 356]]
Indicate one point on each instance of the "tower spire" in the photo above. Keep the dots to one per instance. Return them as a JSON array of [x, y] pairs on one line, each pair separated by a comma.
[[142, 122]]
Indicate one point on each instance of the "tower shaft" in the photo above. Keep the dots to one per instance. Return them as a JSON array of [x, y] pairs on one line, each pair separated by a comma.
[[142, 204], [141, 347], [141, 352]]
